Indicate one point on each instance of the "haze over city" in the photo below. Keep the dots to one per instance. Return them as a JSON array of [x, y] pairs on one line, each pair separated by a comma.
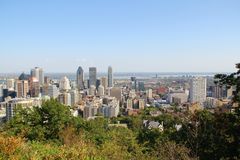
[[131, 36]]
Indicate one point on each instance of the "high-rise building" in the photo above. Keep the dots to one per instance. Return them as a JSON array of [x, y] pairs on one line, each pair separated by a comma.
[[116, 92], [90, 111], [1, 93], [47, 80], [22, 88], [92, 90], [24, 102], [129, 103], [149, 93], [24, 76], [104, 82], [34, 87], [92, 76], [110, 77], [141, 86], [39, 74], [80, 78], [10, 84], [198, 90], [134, 83], [65, 98], [141, 104], [53, 91], [64, 84], [74, 97], [229, 92], [100, 91], [218, 92], [98, 83]]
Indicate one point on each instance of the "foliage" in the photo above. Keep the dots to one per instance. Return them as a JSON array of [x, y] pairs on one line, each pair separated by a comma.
[[232, 80]]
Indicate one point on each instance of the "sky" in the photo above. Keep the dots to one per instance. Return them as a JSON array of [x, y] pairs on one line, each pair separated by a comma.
[[129, 35]]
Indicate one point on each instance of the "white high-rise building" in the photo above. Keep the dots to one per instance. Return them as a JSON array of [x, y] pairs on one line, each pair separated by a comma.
[[92, 90], [64, 84], [100, 91], [74, 97], [65, 98], [39, 74], [198, 90], [110, 77], [10, 84], [53, 91]]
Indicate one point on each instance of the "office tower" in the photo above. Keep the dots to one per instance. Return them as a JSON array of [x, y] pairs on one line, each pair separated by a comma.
[[116, 92], [90, 111], [39, 74], [149, 93], [92, 90], [22, 88], [24, 76], [198, 91], [109, 111], [110, 77], [141, 86], [34, 87], [26, 103], [80, 79], [98, 83], [74, 97], [129, 103], [10, 84], [218, 92], [141, 104], [100, 91], [8, 93], [47, 80], [104, 82], [230, 92], [92, 76], [1, 93], [53, 91], [65, 98], [64, 84], [134, 83]]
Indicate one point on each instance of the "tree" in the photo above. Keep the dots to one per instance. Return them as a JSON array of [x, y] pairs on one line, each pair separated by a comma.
[[40, 123], [231, 80]]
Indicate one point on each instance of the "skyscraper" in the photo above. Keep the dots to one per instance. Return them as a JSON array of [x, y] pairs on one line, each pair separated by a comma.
[[64, 84], [104, 82], [92, 76], [39, 74], [34, 88], [22, 88], [10, 84], [80, 78], [1, 93], [198, 90], [116, 92], [110, 76], [100, 91], [53, 91]]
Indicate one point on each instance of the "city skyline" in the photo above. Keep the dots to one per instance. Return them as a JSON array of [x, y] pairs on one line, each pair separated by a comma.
[[135, 36]]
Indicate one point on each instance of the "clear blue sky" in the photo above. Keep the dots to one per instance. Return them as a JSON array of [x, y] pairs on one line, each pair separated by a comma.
[[130, 35]]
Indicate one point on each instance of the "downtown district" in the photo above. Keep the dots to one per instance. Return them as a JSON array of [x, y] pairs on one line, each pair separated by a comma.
[[109, 97]]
